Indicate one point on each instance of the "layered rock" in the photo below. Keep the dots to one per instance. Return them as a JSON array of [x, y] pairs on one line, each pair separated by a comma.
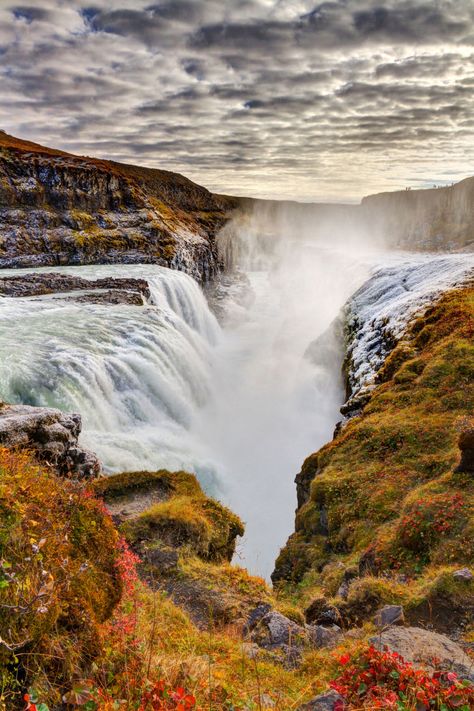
[[115, 290], [57, 208], [51, 435]]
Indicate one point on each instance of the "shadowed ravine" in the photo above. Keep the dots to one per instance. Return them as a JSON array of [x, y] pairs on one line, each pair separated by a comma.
[[241, 401]]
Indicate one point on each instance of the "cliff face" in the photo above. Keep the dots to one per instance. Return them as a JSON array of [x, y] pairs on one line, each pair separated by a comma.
[[57, 208], [385, 509], [437, 219]]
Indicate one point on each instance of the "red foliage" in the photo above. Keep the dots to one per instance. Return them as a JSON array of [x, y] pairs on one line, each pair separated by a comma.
[[159, 698], [429, 519], [383, 680]]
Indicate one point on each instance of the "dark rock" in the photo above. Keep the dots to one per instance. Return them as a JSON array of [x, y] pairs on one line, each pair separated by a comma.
[[51, 435], [116, 296], [389, 615], [324, 635], [466, 445], [304, 478], [256, 615], [323, 702], [53, 283], [320, 612]]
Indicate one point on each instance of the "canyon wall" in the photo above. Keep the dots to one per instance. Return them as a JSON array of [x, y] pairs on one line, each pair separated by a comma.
[[57, 208]]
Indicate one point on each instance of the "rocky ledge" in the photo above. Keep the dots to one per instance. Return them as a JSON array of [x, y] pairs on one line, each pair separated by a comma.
[[51, 435], [106, 290]]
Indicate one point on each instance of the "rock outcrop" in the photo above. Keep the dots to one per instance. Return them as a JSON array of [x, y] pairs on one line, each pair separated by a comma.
[[51, 435], [466, 445], [114, 290], [426, 650], [57, 208]]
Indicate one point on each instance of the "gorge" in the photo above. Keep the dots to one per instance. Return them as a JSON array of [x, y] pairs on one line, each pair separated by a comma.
[[221, 337]]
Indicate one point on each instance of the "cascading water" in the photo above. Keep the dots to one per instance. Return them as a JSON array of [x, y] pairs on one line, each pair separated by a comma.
[[137, 374], [241, 403]]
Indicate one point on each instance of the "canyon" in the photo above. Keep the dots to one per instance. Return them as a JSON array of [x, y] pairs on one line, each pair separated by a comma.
[[208, 344]]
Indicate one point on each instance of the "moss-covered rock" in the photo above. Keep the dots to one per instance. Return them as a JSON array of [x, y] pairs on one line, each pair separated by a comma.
[[387, 494]]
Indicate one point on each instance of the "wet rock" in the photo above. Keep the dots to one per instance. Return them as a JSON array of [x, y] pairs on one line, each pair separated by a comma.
[[463, 574], [324, 636], [323, 702], [116, 290], [115, 297], [389, 615], [466, 445], [51, 435], [423, 648]]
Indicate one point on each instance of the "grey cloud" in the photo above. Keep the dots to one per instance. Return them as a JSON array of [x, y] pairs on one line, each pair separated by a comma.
[[248, 96]]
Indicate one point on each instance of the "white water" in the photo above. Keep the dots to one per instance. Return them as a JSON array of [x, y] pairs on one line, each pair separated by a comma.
[[165, 385]]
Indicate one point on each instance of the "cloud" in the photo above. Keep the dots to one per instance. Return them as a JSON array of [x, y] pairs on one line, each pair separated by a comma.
[[286, 98]]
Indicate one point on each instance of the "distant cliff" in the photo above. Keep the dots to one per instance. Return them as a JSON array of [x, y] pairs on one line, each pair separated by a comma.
[[438, 219], [57, 208]]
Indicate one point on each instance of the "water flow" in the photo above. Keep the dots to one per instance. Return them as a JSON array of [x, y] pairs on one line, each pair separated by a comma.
[[137, 374], [242, 403]]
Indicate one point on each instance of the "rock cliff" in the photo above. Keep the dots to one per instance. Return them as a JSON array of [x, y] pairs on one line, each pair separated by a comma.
[[58, 208]]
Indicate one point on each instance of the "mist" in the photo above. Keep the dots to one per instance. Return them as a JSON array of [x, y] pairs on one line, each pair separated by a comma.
[[277, 385]]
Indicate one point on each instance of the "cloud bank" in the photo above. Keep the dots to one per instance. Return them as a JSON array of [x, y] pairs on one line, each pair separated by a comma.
[[271, 98]]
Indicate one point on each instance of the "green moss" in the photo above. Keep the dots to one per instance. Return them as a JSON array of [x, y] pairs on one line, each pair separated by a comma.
[[400, 450], [119, 485]]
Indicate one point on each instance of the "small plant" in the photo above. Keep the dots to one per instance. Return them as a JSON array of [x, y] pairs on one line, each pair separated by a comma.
[[384, 680]]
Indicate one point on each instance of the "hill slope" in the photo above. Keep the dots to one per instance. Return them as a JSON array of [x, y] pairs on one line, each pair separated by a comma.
[[58, 208]]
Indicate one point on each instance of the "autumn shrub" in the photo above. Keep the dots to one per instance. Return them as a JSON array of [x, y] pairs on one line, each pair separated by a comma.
[[384, 680], [58, 578]]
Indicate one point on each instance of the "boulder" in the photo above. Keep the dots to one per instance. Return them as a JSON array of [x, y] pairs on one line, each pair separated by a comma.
[[322, 636], [275, 630], [421, 647], [323, 702], [51, 435], [389, 615]]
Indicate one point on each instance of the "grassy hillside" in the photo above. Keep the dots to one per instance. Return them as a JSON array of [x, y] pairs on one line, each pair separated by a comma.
[[386, 507]]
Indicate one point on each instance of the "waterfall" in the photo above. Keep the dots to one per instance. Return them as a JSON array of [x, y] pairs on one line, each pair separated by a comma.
[[240, 401], [137, 374]]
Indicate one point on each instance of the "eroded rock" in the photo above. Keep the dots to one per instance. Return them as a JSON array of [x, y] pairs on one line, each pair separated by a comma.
[[51, 435]]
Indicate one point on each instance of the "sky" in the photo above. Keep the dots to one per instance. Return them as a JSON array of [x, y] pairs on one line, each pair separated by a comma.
[[267, 98]]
